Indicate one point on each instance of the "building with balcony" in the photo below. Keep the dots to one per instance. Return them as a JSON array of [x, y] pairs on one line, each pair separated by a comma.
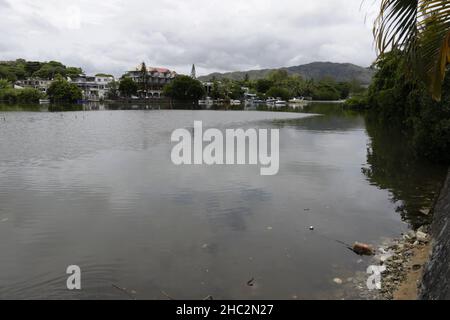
[[35, 83], [151, 86], [94, 88]]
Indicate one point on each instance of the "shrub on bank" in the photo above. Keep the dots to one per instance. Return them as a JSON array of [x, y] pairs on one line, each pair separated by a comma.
[[184, 88], [8, 95], [357, 102], [28, 95], [61, 91]]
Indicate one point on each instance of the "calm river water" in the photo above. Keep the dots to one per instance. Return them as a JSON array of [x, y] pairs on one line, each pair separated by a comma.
[[98, 189]]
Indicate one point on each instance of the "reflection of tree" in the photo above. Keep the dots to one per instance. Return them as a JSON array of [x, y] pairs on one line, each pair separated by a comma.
[[392, 166], [18, 108], [65, 108], [333, 117]]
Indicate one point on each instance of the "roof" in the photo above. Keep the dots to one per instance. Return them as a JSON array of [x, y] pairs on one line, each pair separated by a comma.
[[155, 69], [160, 70]]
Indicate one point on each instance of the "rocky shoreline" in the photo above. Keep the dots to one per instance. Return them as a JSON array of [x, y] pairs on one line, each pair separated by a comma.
[[404, 260]]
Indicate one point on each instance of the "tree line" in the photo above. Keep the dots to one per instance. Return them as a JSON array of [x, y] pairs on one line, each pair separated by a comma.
[[278, 84], [21, 69], [59, 91]]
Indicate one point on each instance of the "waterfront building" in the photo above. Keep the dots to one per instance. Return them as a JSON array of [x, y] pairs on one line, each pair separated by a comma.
[[156, 79], [94, 88], [35, 83]]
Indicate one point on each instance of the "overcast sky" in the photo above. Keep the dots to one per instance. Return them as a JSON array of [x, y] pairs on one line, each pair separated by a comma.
[[217, 35]]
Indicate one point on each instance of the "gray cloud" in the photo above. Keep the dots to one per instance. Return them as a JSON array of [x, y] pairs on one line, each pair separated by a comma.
[[113, 36]]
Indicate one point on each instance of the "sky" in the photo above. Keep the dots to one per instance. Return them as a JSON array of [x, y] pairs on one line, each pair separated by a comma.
[[217, 36]]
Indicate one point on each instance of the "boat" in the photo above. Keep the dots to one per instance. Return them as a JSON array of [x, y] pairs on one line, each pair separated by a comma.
[[271, 102], [280, 103], [44, 101], [297, 100], [235, 102], [206, 102], [298, 103], [259, 101]]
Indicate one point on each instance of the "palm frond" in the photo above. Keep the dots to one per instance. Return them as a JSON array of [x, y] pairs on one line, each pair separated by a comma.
[[421, 28]]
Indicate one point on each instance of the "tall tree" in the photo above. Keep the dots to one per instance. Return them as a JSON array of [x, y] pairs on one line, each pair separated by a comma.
[[61, 91], [184, 88], [144, 79], [127, 87], [113, 90]]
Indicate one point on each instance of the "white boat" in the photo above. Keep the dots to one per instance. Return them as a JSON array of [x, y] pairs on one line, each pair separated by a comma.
[[271, 102], [44, 101], [297, 100], [280, 103], [298, 103], [258, 101], [235, 102], [207, 102]]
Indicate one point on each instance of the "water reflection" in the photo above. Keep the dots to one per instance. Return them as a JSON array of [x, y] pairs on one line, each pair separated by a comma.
[[393, 166]]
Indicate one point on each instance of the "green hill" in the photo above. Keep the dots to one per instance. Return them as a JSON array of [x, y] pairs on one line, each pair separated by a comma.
[[316, 70]]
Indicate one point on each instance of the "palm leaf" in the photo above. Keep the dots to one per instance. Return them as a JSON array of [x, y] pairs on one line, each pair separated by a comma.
[[422, 29]]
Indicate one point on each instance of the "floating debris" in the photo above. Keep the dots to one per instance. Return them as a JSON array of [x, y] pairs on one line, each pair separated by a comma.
[[251, 283], [311, 228], [363, 249], [338, 281]]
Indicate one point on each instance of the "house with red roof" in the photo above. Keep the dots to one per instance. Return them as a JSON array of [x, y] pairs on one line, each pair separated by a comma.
[[156, 79]]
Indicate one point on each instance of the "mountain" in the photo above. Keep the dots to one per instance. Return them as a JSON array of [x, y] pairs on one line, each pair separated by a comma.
[[315, 70]]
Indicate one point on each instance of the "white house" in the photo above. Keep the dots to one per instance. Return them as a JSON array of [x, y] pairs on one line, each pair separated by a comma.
[[94, 88], [35, 83]]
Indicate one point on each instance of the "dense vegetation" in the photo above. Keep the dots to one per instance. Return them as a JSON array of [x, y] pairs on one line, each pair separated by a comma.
[[398, 99], [184, 88], [21, 69], [61, 91], [127, 87], [10, 95], [281, 84], [421, 28]]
